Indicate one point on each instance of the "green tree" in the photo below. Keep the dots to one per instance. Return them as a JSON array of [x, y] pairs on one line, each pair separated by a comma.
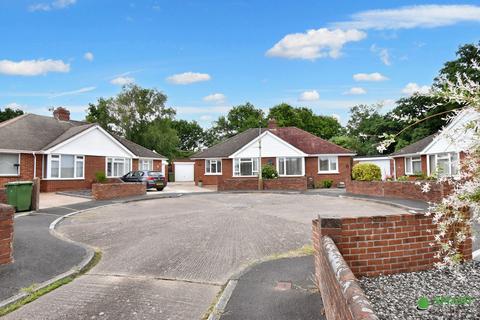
[[467, 55], [190, 134], [9, 113], [100, 113]]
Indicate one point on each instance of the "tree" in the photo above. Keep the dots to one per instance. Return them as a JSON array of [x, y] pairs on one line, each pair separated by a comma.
[[190, 134], [100, 113], [9, 113], [467, 56], [285, 114]]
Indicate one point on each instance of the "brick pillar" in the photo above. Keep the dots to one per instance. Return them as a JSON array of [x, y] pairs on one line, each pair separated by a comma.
[[6, 233], [35, 195]]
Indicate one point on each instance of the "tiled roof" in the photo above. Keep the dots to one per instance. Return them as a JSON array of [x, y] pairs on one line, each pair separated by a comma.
[[416, 147]]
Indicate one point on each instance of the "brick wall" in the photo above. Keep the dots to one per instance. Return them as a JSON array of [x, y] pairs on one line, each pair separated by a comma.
[[342, 297], [400, 189], [385, 244], [6, 234], [238, 184], [26, 169], [106, 191], [399, 165], [199, 173], [3, 195], [344, 166], [293, 183]]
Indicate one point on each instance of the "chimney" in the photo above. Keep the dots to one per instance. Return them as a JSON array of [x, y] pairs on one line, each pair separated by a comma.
[[272, 124], [61, 113]]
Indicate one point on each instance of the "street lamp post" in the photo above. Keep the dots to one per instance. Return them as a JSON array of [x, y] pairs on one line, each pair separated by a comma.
[[260, 181]]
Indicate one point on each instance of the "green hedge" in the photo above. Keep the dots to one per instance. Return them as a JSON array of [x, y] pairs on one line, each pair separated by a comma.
[[366, 172]]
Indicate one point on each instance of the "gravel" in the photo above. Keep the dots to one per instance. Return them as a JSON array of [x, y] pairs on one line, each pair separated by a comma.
[[451, 294]]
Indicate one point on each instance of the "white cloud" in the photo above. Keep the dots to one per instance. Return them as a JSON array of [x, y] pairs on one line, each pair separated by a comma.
[[216, 97], [420, 16], [73, 92], [88, 56], [32, 67], [314, 44], [412, 88], [336, 116], [188, 78], [375, 76], [14, 105], [202, 110], [122, 80], [355, 91], [54, 5], [206, 117], [311, 95], [382, 53]]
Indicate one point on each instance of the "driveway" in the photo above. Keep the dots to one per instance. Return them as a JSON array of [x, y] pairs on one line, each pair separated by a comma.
[[168, 258]]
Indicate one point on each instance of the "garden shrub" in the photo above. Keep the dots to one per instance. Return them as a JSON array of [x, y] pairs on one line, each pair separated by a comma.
[[269, 172], [327, 183], [100, 177], [366, 172], [402, 178]]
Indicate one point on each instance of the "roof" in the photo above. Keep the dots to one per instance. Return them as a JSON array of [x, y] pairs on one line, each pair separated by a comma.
[[300, 139], [32, 132], [416, 147]]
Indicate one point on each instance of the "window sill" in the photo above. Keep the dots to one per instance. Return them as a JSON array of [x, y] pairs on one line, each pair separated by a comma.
[[291, 176], [60, 179], [213, 174], [9, 175], [328, 172], [255, 176]]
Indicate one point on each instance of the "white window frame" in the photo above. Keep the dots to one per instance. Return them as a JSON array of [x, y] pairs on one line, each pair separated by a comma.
[[58, 158], [436, 156], [113, 161], [142, 162], [239, 175], [284, 174], [18, 168], [329, 158], [208, 167], [409, 171]]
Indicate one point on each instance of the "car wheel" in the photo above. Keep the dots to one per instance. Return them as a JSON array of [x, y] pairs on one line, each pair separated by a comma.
[[159, 189]]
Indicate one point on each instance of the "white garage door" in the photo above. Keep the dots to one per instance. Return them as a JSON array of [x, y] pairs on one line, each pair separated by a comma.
[[184, 171]]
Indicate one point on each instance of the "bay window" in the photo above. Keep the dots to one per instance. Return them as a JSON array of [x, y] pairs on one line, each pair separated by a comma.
[[245, 167], [413, 165], [145, 164], [328, 164], [9, 164], [443, 164], [290, 166], [213, 166], [66, 166], [117, 167]]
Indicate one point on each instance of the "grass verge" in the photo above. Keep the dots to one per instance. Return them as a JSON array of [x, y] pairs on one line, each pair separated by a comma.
[[35, 294]]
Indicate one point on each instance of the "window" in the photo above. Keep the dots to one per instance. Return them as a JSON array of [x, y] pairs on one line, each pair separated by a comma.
[[65, 166], [213, 166], [117, 167], [9, 164], [245, 167], [413, 165], [146, 164], [290, 166], [443, 164], [327, 164]]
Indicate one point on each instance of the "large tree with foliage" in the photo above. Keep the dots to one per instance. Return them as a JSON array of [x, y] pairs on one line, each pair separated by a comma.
[[190, 134], [9, 113]]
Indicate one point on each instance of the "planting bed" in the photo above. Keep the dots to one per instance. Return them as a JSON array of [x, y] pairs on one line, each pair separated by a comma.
[[450, 294]]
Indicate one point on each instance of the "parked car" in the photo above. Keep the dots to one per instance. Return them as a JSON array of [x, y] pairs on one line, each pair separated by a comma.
[[153, 179]]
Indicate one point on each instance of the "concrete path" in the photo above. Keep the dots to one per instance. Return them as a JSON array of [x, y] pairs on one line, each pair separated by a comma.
[[167, 258], [279, 289], [52, 199]]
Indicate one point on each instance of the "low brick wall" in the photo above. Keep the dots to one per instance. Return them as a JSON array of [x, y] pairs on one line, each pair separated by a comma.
[[3, 195], [402, 190], [342, 296], [296, 183], [6, 233], [106, 191]]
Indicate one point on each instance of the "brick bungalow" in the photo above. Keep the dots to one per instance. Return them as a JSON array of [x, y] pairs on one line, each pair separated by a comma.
[[294, 153], [440, 153], [66, 153]]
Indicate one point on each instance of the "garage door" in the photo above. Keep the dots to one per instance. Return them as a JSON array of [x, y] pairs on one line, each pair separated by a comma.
[[183, 171]]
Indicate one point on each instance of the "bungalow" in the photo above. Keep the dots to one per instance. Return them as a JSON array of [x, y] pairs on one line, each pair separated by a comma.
[[294, 153], [66, 154], [440, 153]]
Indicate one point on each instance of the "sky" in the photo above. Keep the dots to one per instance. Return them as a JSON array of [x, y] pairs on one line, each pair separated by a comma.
[[208, 56]]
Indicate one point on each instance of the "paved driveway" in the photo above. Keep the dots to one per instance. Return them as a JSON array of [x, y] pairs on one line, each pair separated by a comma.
[[167, 258]]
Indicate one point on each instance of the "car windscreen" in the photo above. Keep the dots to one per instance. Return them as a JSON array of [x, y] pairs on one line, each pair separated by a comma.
[[155, 174]]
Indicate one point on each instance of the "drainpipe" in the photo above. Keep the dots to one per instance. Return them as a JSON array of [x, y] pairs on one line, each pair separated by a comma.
[[34, 165], [260, 182], [395, 168]]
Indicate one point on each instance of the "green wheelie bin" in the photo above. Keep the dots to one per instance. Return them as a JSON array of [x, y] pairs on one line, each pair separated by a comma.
[[19, 194]]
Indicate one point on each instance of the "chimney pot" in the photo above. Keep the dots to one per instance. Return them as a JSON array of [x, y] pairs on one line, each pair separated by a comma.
[[61, 113], [272, 124]]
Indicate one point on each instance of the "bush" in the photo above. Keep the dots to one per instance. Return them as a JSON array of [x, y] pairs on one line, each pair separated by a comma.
[[327, 183], [100, 177], [402, 178], [269, 172], [366, 172]]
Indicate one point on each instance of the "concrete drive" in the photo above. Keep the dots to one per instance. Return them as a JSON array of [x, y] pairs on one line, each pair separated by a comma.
[[182, 187], [167, 258]]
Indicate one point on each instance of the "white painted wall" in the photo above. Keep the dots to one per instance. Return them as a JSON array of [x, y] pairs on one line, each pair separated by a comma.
[[92, 143], [272, 146], [383, 163]]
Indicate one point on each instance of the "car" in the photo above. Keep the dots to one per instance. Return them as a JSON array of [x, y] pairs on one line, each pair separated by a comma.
[[153, 179]]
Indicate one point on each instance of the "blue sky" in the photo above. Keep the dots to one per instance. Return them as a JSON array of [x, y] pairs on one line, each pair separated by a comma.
[[207, 56]]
